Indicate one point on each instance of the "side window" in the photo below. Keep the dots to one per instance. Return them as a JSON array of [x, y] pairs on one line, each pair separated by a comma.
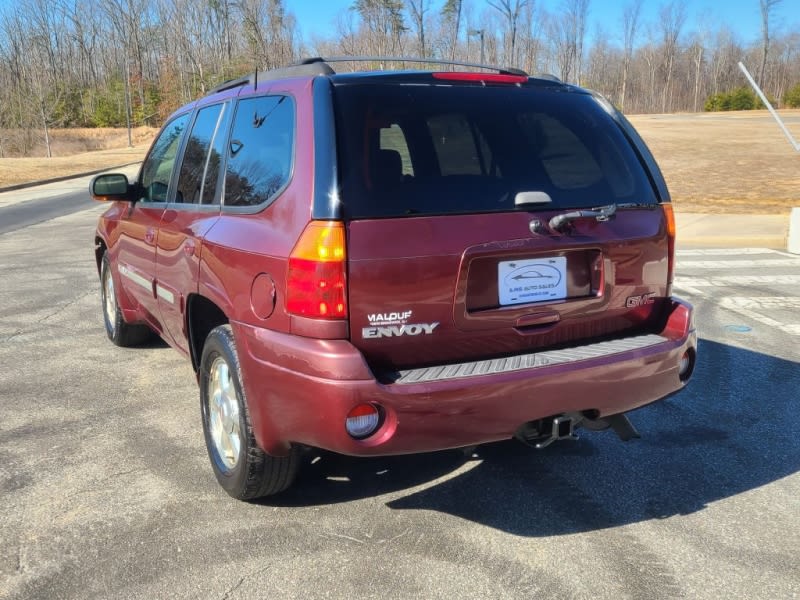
[[214, 160], [260, 150], [393, 138], [191, 181], [460, 148], [157, 167]]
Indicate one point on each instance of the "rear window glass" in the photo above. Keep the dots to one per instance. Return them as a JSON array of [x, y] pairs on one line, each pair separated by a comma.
[[434, 149]]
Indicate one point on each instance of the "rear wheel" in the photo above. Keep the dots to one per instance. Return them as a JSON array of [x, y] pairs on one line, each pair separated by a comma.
[[118, 331], [243, 469]]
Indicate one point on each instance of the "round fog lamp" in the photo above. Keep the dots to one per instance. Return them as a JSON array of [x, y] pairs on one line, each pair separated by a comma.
[[362, 421]]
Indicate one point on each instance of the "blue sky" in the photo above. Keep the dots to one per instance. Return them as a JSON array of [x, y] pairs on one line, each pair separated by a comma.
[[317, 17]]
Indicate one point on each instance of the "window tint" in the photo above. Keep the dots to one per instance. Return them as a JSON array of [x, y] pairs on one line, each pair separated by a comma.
[[214, 161], [157, 167], [567, 161], [260, 150], [393, 138], [458, 147], [473, 149], [191, 181]]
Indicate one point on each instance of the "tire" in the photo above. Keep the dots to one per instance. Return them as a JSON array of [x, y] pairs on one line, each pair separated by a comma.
[[119, 332], [243, 469]]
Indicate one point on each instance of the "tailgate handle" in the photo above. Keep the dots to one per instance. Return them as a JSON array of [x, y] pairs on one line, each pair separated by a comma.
[[537, 320]]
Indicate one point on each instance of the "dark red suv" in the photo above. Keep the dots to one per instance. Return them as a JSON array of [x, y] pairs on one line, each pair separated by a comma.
[[397, 261]]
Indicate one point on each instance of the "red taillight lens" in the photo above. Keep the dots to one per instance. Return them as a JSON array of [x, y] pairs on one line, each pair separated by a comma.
[[315, 284], [484, 77], [669, 218]]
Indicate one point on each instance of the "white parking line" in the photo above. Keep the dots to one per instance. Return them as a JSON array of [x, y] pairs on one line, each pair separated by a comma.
[[765, 302], [754, 308], [736, 280], [734, 306]]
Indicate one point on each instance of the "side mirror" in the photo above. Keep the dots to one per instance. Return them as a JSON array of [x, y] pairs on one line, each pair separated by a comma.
[[110, 187]]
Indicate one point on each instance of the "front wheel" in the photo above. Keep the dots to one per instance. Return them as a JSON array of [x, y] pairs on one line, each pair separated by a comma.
[[121, 333], [243, 469]]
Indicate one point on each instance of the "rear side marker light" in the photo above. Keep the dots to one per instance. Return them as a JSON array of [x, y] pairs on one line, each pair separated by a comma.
[[480, 77], [362, 421], [315, 283]]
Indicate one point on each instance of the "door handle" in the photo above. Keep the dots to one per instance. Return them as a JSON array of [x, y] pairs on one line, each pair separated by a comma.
[[150, 235]]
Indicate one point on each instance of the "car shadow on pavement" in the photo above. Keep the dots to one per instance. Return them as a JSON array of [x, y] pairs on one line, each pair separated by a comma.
[[732, 430]]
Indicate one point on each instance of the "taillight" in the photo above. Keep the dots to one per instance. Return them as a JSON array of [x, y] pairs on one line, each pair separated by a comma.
[[482, 77], [315, 284], [669, 218]]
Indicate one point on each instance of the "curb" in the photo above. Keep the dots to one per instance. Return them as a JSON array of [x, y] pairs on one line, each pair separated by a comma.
[[29, 184], [774, 242]]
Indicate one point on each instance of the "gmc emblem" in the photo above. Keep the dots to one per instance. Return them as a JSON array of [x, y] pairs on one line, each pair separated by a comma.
[[634, 301]]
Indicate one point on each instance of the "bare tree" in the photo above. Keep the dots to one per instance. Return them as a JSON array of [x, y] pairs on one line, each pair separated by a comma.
[[576, 13], [451, 13], [417, 10], [673, 17], [112, 62], [510, 12], [766, 7], [630, 22], [383, 24]]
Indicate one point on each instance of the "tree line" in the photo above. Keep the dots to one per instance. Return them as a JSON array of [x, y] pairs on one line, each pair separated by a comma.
[[74, 63]]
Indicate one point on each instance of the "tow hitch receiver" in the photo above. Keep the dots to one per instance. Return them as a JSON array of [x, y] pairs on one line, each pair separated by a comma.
[[540, 434], [563, 429]]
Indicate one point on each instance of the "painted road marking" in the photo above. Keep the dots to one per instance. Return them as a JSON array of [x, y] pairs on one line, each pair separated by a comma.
[[736, 305], [751, 307], [737, 280], [767, 302]]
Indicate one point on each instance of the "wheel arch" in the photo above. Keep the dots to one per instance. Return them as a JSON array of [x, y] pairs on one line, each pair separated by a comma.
[[100, 248], [202, 316]]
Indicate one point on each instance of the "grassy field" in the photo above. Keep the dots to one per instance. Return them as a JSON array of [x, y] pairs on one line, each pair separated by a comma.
[[726, 162], [713, 162], [76, 151]]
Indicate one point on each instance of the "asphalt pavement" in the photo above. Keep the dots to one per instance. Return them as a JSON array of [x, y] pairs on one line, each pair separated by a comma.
[[107, 491]]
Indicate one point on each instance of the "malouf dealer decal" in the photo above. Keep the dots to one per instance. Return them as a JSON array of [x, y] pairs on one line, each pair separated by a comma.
[[395, 324]]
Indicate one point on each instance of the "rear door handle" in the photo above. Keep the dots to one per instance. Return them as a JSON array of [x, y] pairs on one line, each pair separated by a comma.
[[150, 235], [189, 247], [537, 322]]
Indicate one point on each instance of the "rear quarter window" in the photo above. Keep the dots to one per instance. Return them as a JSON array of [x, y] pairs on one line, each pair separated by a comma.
[[260, 151]]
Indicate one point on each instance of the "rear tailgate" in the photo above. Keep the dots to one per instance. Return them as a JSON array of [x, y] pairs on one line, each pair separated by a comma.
[[430, 290], [449, 190]]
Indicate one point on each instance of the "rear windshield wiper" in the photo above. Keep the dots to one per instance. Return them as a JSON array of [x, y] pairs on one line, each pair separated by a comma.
[[603, 213]]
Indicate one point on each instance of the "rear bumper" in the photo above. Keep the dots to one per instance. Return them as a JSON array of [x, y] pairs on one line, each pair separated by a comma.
[[300, 389]]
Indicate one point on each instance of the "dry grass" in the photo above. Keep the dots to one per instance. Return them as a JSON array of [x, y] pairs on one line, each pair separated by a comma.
[[714, 163], [76, 151], [726, 162]]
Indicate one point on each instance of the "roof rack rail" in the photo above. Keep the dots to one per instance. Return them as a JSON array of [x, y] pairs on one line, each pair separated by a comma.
[[301, 69], [230, 84], [318, 65], [412, 59]]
